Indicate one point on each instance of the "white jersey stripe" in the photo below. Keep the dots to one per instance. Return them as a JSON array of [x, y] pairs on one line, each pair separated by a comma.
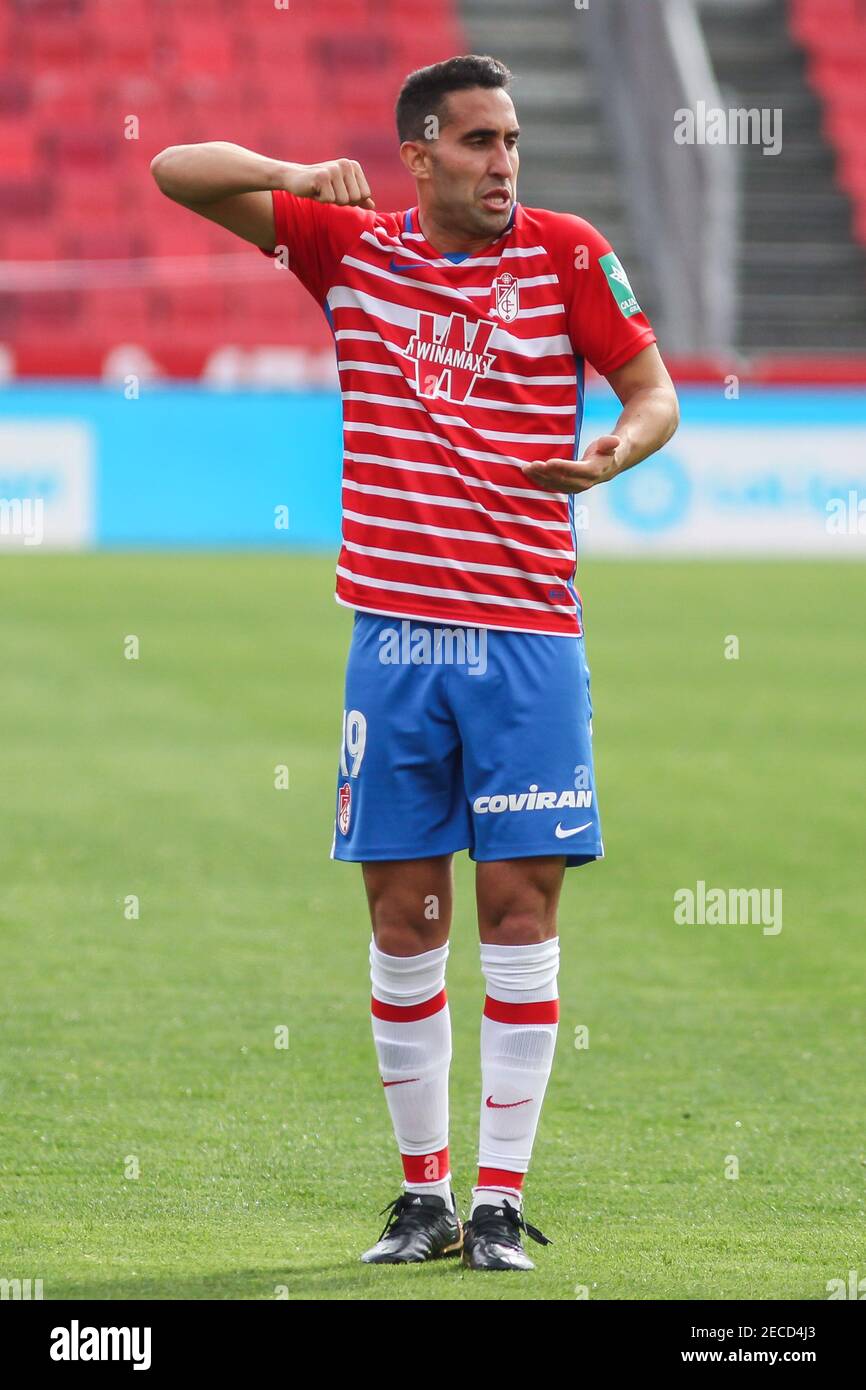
[[431, 499], [396, 350], [409, 557], [402, 316], [570, 381], [445, 470], [549, 437], [360, 427], [399, 277], [396, 278], [409, 404], [390, 523], [363, 425], [380, 367], [457, 594], [385, 369], [442, 262]]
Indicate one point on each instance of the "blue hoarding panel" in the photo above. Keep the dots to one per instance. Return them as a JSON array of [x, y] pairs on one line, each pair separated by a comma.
[[771, 470]]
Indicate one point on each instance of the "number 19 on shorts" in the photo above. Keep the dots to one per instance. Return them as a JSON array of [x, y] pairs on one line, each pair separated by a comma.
[[353, 742], [352, 745]]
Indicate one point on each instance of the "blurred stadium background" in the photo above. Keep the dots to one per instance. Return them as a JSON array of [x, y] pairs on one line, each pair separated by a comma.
[[145, 355], [163, 909]]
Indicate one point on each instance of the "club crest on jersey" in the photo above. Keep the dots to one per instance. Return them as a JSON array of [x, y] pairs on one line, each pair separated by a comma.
[[507, 297], [345, 812], [449, 363]]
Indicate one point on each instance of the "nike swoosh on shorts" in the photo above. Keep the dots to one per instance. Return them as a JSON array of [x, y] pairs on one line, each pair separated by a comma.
[[564, 834]]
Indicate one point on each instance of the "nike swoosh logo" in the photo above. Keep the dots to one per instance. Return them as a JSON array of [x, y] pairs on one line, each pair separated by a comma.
[[402, 1083], [506, 1105], [564, 834], [413, 265]]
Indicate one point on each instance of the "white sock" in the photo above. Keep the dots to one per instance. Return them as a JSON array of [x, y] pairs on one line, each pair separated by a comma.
[[518, 1039], [412, 1033]]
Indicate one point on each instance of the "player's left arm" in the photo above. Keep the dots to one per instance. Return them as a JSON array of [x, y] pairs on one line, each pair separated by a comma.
[[650, 415]]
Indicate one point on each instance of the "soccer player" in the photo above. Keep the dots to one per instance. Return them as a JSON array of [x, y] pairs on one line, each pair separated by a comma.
[[461, 328]]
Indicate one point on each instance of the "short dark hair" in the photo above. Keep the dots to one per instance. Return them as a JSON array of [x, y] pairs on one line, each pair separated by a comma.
[[423, 93]]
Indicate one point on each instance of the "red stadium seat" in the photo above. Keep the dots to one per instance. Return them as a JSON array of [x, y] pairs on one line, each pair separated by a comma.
[[833, 35], [52, 311], [107, 242], [130, 48], [15, 94], [310, 82], [24, 199], [58, 45], [87, 198], [56, 11], [82, 146], [19, 149], [124, 303], [811, 16], [24, 240]]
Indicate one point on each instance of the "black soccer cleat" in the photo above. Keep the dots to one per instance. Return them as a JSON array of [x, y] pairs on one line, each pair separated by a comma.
[[491, 1239], [418, 1228]]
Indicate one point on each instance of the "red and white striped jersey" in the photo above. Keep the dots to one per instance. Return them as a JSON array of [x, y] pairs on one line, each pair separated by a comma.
[[454, 370]]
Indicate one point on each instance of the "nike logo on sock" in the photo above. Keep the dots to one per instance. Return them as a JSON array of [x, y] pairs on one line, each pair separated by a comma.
[[408, 1080], [505, 1105]]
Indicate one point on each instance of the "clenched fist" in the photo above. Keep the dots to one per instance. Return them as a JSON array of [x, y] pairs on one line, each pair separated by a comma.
[[339, 181]]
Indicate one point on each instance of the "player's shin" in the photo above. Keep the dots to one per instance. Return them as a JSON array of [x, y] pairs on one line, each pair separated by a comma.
[[412, 1034], [518, 1039]]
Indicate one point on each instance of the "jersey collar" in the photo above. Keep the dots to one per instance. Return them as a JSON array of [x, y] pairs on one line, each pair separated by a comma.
[[413, 235]]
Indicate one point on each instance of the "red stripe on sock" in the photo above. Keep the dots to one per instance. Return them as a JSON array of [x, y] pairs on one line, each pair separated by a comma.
[[418, 1168], [500, 1177], [410, 1013], [544, 1011]]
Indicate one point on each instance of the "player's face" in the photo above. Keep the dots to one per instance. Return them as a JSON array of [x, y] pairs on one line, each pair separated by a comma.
[[471, 170]]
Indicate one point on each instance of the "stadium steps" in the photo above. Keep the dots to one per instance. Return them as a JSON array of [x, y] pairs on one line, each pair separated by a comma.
[[802, 274], [566, 156]]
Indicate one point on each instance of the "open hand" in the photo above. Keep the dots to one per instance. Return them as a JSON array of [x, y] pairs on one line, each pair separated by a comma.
[[601, 461]]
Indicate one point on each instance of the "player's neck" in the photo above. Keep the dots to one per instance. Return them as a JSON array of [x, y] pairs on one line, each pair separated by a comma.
[[447, 242]]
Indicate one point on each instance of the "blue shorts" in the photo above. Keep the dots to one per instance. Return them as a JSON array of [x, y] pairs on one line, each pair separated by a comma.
[[465, 738]]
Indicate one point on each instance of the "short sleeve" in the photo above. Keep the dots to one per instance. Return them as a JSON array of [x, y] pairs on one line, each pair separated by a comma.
[[605, 321], [316, 237]]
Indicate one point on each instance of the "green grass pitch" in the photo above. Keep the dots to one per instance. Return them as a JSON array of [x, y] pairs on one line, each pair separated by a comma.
[[147, 1046]]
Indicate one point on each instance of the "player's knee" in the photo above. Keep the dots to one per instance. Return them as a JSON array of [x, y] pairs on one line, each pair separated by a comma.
[[400, 927], [400, 939], [410, 910], [516, 926]]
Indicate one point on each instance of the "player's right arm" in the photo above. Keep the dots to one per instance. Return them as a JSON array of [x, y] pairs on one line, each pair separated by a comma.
[[233, 186]]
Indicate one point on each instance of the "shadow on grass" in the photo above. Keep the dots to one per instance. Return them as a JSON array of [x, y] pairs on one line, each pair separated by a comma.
[[340, 1279]]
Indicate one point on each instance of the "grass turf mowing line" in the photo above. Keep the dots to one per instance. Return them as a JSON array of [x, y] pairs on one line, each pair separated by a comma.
[[153, 1039]]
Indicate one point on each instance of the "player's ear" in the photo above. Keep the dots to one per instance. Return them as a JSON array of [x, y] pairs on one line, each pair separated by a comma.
[[416, 158]]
